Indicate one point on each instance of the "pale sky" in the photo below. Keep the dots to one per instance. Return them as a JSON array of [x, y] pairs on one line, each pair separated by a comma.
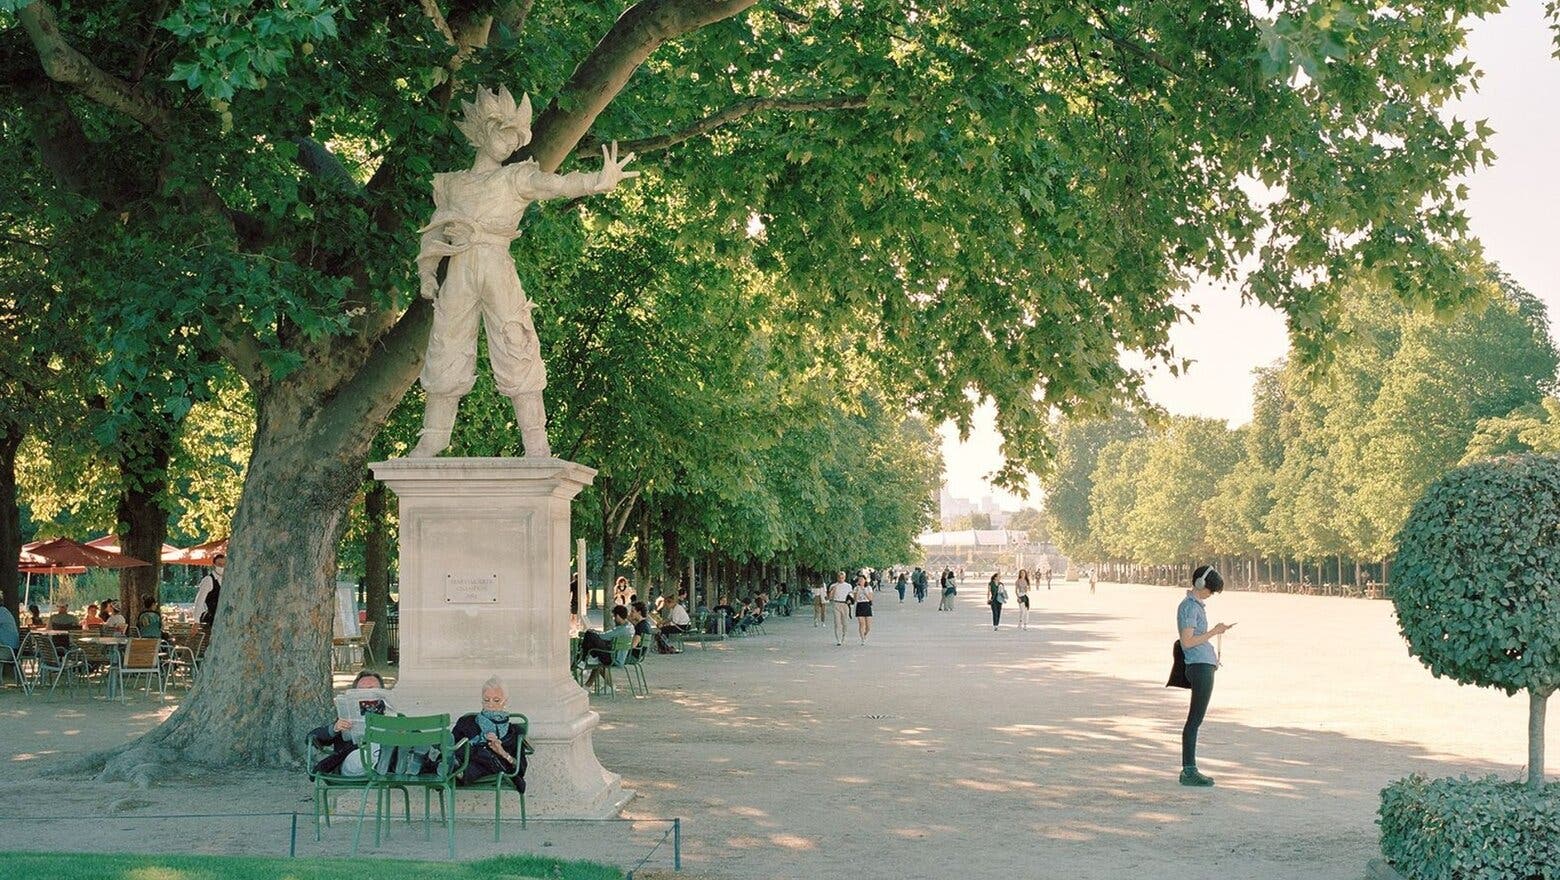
[[1512, 206]]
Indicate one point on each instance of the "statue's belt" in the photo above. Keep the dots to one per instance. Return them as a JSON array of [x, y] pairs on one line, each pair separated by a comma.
[[458, 236]]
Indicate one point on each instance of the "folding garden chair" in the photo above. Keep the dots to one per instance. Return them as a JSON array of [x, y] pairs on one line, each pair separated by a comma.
[[500, 782], [412, 737]]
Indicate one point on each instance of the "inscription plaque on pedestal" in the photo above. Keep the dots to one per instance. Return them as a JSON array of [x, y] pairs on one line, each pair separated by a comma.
[[470, 589]]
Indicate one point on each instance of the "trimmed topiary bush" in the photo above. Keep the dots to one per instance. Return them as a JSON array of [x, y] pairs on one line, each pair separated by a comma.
[[1477, 582], [1462, 829]]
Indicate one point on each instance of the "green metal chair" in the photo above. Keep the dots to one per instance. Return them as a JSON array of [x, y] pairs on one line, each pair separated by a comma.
[[621, 647], [501, 781], [412, 736], [325, 783], [636, 665]]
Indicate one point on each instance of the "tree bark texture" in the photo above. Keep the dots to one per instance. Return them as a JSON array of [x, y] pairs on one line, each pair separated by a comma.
[[1538, 704], [10, 518], [608, 545], [376, 568], [266, 679], [143, 521]]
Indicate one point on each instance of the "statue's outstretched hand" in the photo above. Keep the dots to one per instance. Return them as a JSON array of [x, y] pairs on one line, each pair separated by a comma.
[[430, 287], [612, 172]]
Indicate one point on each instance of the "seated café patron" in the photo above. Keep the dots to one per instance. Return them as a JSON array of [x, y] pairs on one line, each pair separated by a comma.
[[113, 621], [496, 746], [63, 619]]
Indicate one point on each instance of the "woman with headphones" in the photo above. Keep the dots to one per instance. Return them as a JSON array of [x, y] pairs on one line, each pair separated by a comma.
[[1191, 621]]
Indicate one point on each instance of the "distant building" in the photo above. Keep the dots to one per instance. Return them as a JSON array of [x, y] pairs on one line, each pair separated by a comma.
[[983, 550]]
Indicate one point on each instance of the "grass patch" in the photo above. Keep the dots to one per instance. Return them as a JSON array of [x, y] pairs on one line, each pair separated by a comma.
[[72, 866]]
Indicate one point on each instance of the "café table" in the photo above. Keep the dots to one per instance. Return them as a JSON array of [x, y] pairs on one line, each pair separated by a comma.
[[116, 646]]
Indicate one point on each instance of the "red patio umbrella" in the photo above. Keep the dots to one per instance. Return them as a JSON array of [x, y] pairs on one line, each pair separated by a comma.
[[200, 554], [63, 552], [112, 544], [31, 563]]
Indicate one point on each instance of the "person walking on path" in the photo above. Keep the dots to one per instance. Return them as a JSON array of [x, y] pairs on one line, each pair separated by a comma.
[[1047, 570], [863, 599], [839, 598], [918, 584], [1093, 579], [996, 594], [820, 601], [901, 584], [1191, 622], [1021, 590], [948, 591]]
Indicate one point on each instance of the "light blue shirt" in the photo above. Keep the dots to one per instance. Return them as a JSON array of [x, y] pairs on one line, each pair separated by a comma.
[[619, 657], [1193, 614], [10, 636]]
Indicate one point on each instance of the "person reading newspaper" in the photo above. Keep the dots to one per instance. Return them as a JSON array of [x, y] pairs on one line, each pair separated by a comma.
[[343, 738]]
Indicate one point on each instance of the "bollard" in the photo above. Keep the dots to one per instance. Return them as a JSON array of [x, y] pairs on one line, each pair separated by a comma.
[[292, 847], [676, 844]]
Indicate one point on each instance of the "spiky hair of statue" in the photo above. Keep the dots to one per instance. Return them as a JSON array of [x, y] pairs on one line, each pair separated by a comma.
[[500, 106]]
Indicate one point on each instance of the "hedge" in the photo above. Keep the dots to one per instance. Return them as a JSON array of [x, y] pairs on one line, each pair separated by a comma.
[[1471, 829]]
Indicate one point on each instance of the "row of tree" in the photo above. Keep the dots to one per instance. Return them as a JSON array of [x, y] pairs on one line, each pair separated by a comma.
[[1332, 459], [951, 203]]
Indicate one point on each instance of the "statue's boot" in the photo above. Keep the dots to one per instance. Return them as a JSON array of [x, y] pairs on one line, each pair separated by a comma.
[[438, 422], [532, 416]]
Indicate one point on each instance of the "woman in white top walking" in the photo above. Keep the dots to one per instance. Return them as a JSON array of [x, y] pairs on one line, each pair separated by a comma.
[[863, 597], [1021, 590]]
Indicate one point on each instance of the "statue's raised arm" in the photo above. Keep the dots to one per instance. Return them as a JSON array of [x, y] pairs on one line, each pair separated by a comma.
[[476, 215]]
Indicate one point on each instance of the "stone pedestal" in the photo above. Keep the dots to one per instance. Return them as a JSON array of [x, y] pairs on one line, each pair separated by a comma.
[[484, 591]]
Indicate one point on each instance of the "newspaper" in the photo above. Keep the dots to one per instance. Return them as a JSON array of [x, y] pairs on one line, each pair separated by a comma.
[[352, 704]]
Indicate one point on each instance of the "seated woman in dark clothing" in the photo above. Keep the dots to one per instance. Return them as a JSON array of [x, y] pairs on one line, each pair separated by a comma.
[[496, 746]]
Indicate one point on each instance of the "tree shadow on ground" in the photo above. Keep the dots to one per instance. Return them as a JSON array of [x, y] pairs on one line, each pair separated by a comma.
[[796, 759]]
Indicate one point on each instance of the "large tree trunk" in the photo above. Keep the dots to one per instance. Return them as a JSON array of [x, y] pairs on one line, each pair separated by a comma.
[[143, 521], [650, 582], [266, 678], [10, 520], [376, 567], [1537, 706], [609, 548]]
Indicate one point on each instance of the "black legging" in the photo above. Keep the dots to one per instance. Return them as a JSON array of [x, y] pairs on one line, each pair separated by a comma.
[[996, 614], [1201, 677]]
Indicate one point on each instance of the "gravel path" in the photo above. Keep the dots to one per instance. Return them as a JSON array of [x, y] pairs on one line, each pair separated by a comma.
[[940, 749]]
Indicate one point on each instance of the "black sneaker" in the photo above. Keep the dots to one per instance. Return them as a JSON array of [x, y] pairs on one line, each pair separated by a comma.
[[1190, 776]]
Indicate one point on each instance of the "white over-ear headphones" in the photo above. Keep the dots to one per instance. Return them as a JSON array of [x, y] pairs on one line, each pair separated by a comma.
[[1202, 579]]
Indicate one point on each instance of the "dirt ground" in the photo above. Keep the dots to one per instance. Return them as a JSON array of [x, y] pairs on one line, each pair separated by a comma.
[[940, 749]]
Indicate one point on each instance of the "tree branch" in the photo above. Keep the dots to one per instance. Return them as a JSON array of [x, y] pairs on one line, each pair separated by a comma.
[[789, 15], [362, 403], [639, 31], [730, 114], [431, 9], [317, 159], [63, 63], [242, 350], [513, 15], [1105, 30]]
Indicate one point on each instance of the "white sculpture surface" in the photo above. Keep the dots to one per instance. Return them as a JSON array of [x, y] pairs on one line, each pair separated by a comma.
[[476, 215]]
